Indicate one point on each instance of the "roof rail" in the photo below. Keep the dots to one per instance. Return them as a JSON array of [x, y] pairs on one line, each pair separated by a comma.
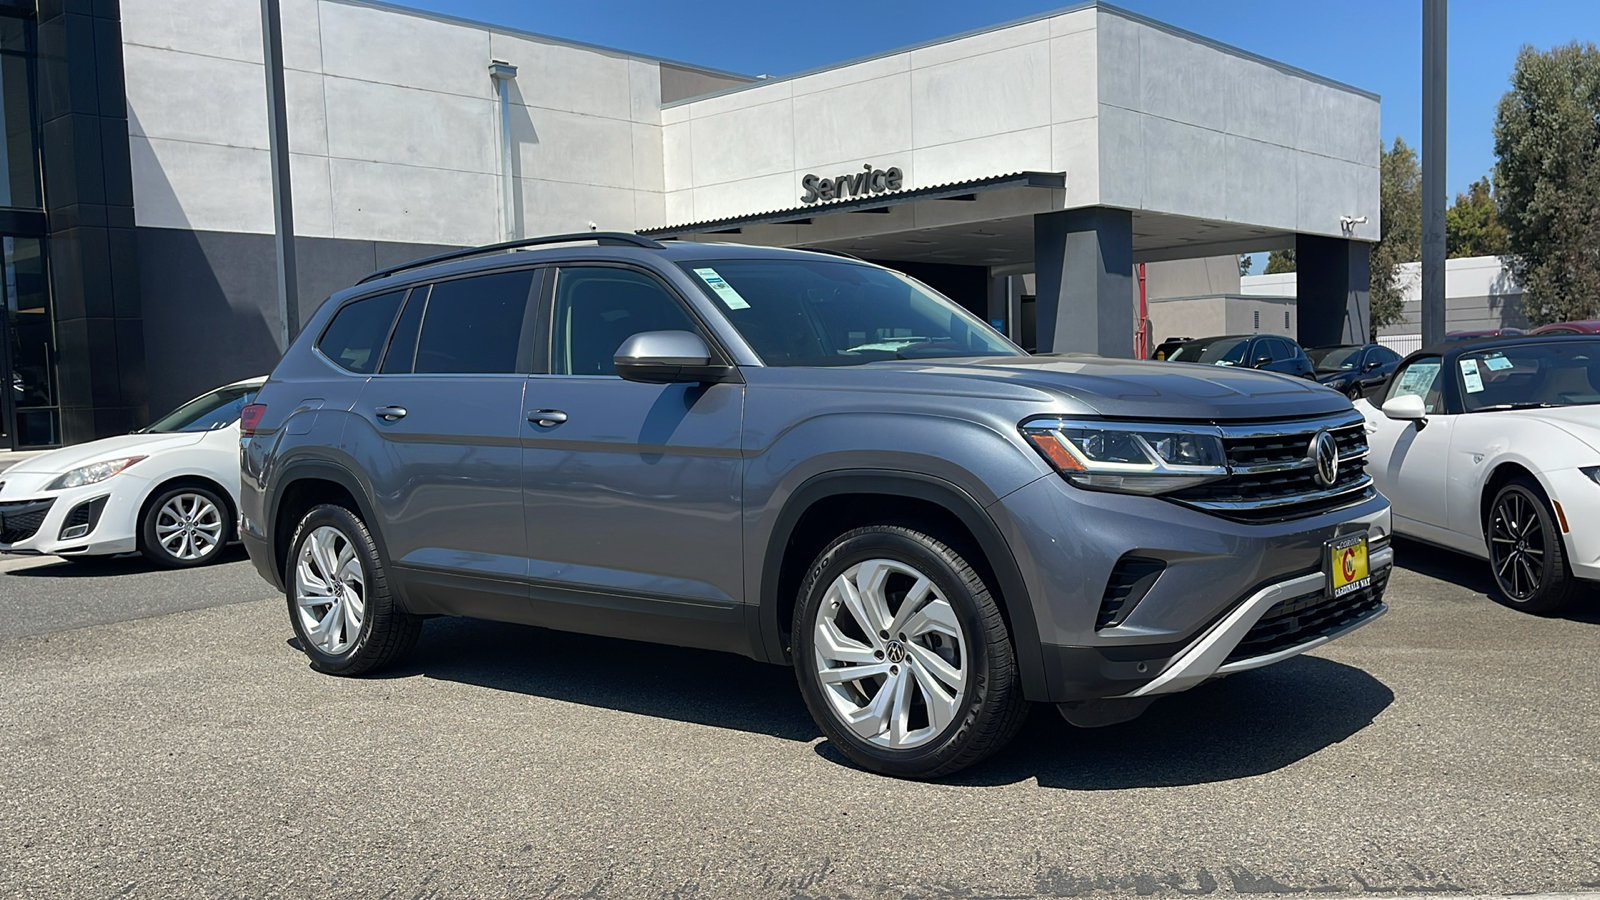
[[831, 252], [603, 238]]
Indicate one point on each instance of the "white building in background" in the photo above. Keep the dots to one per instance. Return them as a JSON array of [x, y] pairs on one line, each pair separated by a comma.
[[1480, 295], [1024, 169]]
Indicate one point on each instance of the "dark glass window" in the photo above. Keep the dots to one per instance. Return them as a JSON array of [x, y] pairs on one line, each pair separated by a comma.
[[403, 346], [355, 337], [1383, 355], [30, 344], [19, 158], [598, 308], [473, 326]]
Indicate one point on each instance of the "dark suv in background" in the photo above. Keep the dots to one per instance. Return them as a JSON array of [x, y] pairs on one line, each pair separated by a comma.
[[1267, 352], [808, 460]]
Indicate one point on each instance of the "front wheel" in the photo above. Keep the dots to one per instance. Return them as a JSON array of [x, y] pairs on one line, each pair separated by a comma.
[[343, 614], [185, 526], [1525, 550], [902, 655]]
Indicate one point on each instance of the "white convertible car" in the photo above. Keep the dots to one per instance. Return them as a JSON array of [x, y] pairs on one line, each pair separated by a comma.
[[168, 491], [1492, 448]]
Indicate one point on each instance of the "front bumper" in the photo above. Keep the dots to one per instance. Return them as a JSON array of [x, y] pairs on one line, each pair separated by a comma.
[[25, 531], [1220, 578]]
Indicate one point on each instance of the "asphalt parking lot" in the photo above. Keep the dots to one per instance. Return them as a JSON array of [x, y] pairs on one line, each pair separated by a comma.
[[160, 737]]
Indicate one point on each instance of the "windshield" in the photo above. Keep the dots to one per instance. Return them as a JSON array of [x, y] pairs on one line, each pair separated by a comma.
[[206, 412], [1531, 376], [1222, 351], [796, 312], [1334, 359]]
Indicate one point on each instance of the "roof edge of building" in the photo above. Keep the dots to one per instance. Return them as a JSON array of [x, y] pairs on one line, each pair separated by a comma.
[[1048, 14]]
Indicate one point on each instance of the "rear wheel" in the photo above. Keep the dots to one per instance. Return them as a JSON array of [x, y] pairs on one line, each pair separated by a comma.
[[340, 605], [185, 526], [902, 655], [1525, 550]]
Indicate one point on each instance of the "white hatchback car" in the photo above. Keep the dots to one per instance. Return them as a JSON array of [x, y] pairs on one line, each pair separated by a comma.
[[169, 491], [1493, 448]]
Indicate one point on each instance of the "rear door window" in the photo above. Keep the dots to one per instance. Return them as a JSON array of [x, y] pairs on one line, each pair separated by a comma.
[[354, 339], [476, 326]]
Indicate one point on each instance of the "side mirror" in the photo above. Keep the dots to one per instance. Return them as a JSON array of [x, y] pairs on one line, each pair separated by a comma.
[[1406, 408], [1262, 360], [1371, 365], [668, 357]]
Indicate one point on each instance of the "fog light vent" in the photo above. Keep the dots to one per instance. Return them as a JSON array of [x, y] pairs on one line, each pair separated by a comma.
[[1130, 581], [83, 518]]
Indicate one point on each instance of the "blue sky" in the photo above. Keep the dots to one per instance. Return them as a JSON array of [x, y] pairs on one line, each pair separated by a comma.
[[1372, 44]]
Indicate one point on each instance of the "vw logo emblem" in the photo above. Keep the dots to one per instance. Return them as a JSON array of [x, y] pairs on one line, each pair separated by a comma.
[[1325, 456], [896, 652]]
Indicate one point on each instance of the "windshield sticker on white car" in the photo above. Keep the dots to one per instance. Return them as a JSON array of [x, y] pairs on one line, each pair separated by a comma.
[[730, 297], [1470, 376], [1418, 380], [1496, 362]]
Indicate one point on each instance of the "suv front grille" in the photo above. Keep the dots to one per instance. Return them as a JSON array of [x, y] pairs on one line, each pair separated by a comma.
[[20, 520], [1272, 473], [1296, 620]]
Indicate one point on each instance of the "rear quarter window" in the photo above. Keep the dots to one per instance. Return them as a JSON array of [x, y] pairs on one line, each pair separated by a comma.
[[354, 339]]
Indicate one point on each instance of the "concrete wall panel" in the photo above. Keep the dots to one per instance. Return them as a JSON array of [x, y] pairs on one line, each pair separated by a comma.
[[1074, 76], [1018, 151], [380, 201], [564, 78], [976, 97], [677, 157], [1181, 163], [1181, 79], [1260, 183], [1117, 52], [752, 141], [1075, 150], [558, 208], [182, 96], [560, 146], [869, 70], [180, 184], [386, 123], [393, 48], [716, 201], [302, 34], [648, 161], [854, 124], [230, 29], [1121, 156], [984, 44], [307, 106], [313, 195]]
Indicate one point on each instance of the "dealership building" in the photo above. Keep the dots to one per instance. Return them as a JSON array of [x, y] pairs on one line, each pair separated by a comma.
[[1024, 169]]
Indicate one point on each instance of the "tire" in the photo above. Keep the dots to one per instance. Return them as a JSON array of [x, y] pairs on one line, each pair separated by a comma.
[[954, 663], [185, 526], [360, 628], [1354, 392], [1526, 555]]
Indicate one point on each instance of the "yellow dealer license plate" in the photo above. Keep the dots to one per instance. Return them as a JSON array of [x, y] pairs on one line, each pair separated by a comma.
[[1347, 565]]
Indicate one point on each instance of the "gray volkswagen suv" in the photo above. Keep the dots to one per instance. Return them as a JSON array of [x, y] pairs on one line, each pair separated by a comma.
[[808, 460]]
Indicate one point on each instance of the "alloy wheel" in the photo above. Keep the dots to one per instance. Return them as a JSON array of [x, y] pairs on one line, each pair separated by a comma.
[[189, 527], [890, 655], [1516, 546], [330, 590]]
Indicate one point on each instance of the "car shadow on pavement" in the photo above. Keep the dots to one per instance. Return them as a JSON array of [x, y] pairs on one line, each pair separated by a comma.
[[704, 687], [1236, 727], [1244, 725], [107, 566], [1473, 574]]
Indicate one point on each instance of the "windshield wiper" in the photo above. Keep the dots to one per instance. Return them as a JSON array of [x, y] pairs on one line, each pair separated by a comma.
[[1528, 405]]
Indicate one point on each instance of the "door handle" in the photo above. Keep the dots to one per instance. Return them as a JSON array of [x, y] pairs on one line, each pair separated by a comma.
[[390, 413], [547, 417]]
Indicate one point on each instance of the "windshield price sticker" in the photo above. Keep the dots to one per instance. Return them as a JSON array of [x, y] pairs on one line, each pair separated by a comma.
[[723, 289], [1496, 362], [1418, 379], [1470, 376]]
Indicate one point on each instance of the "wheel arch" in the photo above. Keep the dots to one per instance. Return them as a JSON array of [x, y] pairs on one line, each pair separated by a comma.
[[308, 483], [230, 503], [1503, 472], [805, 525]]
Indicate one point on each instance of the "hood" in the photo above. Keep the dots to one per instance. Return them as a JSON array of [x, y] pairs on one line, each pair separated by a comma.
[[1141, 389], [1582, 422], [68, 458]]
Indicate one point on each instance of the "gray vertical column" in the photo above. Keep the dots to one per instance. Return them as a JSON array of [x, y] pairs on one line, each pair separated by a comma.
[[1334, 277], [282, 185], [1433, 162], [88, 195], [1083, 260]]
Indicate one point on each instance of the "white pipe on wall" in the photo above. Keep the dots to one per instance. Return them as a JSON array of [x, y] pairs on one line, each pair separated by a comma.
[[502, 73]]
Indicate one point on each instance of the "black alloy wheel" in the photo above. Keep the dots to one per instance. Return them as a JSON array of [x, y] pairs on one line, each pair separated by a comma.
[[1525, 550]]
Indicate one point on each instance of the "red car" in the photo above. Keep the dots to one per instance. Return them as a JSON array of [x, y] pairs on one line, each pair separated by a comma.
[[1590, 327]]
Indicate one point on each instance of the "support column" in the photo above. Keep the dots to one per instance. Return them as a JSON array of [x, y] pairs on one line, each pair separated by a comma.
[[1333, 276], [1083, 260], [88, 193]]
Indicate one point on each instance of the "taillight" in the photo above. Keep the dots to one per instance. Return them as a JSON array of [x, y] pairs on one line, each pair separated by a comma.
[[250, 417]]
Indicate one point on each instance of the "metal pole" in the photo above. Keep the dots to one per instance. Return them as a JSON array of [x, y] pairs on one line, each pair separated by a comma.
[[502, 73], [1434, 71], [282, 189]]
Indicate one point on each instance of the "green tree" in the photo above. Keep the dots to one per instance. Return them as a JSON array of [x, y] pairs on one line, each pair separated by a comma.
[[1400, 207], [1280, 261], [1547, 180], [1472, 225], [1244, 264]]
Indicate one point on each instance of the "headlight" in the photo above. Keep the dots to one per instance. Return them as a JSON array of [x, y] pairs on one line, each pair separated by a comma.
[[1130, 458], [1593, 472], [93, 473]]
